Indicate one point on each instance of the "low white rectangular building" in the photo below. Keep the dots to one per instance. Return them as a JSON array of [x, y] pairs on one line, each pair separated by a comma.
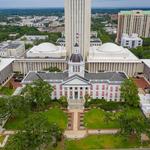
[[12, 49], [132, 41], [6, 69]]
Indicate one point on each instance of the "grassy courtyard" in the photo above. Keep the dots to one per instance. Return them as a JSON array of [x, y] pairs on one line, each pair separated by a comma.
[[102, 142], [54, 115], [99, 119]]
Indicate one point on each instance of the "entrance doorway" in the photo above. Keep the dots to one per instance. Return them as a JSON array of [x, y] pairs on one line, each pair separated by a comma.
[[76, 95]]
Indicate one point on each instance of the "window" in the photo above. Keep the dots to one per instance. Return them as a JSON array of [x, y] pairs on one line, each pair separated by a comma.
[[96, 93], [81, 88], [111, 95], [103, 87], [70, 88], [60, 93], [66, 93], [97, 87], [116, 95], [60, 87], [103, 94], [117, 89]]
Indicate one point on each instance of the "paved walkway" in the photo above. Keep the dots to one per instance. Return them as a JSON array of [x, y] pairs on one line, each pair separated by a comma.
[[75, 133]]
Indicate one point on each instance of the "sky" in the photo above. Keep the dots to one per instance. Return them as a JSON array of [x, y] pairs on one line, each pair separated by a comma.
[[60, 3]]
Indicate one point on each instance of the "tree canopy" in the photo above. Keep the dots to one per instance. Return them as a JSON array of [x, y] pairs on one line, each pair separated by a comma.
[[38, 94], [53, 69], [37, 133], [129, 93], [132, 122]]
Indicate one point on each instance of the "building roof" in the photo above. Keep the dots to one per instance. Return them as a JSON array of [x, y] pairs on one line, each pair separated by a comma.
[[13, 45], [146, 62], [63, 76], [135, 12], [111, 76], [46, 50], [76, 58], [4, 62], [44, 47], [110, 52], [31, 76]]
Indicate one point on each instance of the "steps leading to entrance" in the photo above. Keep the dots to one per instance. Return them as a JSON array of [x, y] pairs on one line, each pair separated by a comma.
[[76, 104]]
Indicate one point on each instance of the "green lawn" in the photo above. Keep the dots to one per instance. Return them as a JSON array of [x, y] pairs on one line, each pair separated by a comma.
[[96, 119], [54, 115], [102, 142], [6, 91]]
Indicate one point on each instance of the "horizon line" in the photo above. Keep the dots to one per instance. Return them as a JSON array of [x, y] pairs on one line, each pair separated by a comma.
[[63, 7]]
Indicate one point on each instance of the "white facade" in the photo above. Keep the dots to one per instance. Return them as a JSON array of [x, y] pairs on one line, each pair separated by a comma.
[[76, 82], [34, 37], [111, 57], [77, 25], [6, 69], [134, 21], [12, 49], [132, 41]]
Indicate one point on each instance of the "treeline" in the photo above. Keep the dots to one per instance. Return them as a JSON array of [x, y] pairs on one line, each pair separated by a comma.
[[102, 34], [6, 30]]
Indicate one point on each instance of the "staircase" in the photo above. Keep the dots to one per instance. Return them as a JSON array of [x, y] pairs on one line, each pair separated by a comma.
[[76, 104]]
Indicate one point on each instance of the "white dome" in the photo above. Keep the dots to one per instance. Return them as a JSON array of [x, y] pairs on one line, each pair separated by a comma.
[[110, 48], [46, 47]]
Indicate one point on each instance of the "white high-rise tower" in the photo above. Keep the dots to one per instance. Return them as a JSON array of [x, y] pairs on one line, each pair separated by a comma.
[[78, 25]]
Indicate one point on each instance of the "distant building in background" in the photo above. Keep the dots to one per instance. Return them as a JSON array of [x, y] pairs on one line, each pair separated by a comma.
[[94, 40], [12, 49], [132, 41], [78, 25], [34, 37], [135, 21]]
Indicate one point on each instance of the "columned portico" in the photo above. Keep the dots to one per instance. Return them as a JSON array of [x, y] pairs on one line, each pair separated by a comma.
[[76, 92]]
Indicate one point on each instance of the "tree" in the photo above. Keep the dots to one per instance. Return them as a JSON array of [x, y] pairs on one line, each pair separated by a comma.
[[53, 69], [18, 106], [38, 94], [37, 133], [132, 123], [129, 93], [63, 101]]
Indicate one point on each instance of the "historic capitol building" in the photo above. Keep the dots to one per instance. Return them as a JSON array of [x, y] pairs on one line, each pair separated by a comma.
[[94, 69]]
